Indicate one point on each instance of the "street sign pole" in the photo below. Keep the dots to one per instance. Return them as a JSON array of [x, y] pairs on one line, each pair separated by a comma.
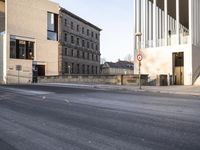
[[18, 68], [139, 57], [18, 76], [140, 87]]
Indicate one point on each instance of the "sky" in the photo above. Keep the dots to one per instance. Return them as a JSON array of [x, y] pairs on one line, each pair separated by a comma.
[[114, 17]]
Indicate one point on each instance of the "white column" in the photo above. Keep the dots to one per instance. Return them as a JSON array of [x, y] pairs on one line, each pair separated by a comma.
[[145, 23], [147, 20], [191, 22], [135, 21], [177, 23], [154, 23], [138, 15], [166, 22], [150, 21]]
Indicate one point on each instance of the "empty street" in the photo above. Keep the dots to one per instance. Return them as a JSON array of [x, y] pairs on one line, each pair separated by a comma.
[[47, 117]]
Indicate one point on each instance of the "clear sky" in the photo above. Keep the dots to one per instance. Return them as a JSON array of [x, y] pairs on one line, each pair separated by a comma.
[[115, 17]]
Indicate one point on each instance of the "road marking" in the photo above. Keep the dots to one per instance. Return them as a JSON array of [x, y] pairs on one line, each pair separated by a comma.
[[66, 100]]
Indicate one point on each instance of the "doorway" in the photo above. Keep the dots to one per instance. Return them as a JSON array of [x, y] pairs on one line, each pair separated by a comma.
[[178, 68], [38, 70]]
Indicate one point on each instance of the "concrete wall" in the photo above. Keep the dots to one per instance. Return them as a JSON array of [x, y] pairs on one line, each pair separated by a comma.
[[24, 76], [117, 71], [195, 63], [157, 61], [2, 16], [1, 59], [28, 19], [97, 79]]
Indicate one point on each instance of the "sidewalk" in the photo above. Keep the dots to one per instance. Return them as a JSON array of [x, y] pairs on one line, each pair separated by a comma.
[[180, 90]]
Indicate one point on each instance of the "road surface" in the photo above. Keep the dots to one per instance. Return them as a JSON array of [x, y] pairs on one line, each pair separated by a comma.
[[44, 117]]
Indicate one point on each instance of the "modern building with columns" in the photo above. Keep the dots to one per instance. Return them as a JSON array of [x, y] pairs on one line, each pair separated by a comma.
[[170, 41]]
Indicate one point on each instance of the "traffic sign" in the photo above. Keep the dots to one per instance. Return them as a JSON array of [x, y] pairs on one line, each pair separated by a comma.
[[139, 57], [18, 67]]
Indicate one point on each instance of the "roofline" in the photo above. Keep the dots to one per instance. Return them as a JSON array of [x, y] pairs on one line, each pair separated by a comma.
[[79, 18]]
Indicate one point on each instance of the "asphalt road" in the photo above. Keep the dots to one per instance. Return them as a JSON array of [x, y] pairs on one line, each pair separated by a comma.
[[62, 118]]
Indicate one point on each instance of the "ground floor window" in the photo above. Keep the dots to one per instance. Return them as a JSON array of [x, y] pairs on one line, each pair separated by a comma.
[[21, 49]]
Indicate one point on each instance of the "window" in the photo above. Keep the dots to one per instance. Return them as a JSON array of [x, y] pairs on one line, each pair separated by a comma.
[[65, 22], [83, 69], [92, 56], [92, 69], [83, 30], [83, 55], [12, 48], [88, 56], [96, 47], [96, 70], [72, 68], [96, 36], [20, 49], [88, 32], [66, 67], [78, 68], [65, 37], [77, 41], [72, 25], [92, 34], [96, 57], [77, 28], [72, 39], [83, 43], [88, 45], [88, 69], [52, 26]]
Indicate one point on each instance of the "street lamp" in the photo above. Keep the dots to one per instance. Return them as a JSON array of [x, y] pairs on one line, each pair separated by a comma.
[[138, 35]]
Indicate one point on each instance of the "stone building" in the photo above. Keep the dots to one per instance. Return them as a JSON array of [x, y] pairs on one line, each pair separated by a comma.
[[79, 49], [118, 68]]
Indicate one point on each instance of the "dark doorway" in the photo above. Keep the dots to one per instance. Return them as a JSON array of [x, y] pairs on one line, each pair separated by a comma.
[[38, 70], [41, 70], [178, 68]]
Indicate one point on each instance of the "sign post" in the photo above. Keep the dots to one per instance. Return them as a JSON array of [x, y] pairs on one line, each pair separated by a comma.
[[139, 58], [18, 68]]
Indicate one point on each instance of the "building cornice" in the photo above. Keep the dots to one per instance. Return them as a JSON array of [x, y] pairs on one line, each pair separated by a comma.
[[79, 18]]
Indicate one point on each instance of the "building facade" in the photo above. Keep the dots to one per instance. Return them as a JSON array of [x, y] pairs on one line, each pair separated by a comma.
[[118, 68], [79, 45], [170, 41], [39, 38], [28, 39]]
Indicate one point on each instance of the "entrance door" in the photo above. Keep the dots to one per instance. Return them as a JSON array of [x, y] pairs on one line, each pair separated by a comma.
[[178, 68], [38, 70], [41, 70]]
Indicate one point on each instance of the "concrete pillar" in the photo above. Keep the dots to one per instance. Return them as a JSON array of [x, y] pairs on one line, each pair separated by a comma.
[[177, 23], [166, 22], [191, 22], [154, 23], [147, 20]]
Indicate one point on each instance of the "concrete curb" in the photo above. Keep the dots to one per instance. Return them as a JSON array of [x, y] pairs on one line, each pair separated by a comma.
[[179, 90]]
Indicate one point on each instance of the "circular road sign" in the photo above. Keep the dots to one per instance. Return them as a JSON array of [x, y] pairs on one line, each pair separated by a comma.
[[139, 57]]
